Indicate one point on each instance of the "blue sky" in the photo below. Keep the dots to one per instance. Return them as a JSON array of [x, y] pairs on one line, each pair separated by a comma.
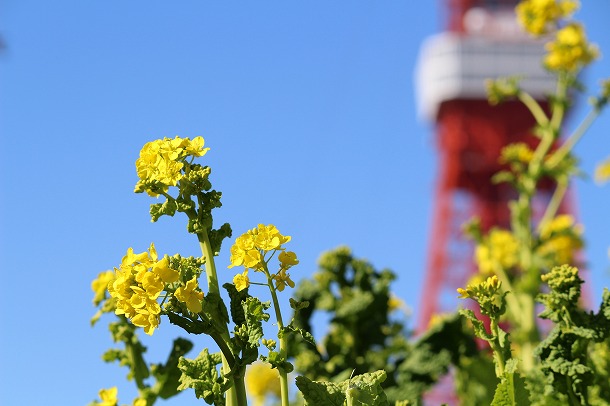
[[309, 111]]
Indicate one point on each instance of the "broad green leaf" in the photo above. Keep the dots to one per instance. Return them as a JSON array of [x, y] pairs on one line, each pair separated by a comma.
[[201, 375], [320, 393], [511, 391]]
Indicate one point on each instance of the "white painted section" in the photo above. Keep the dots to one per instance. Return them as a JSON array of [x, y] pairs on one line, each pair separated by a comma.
[[454, 66]]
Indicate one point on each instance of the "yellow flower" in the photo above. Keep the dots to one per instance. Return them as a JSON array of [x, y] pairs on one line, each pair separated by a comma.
[[250, 248], [570, 50], [161, 161], [560, 239], [602, 172], [241, 281], [498, 249], [139, 402], [282, 279], [249, 258], [137, 284], [190, 295], [288, 259], [518, 152], [195, 147], [262, 380], [164, 272], [100, 285], [268, 238], [487, 288], [149, 322], [540, 16], [108, 397]]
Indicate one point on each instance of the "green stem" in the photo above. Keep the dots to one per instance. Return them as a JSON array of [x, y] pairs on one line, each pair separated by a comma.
[[511, 300], [569, 144], [571, 395], [553, 207], [283, 339], [529, 332], [213, 287], [497, 348], [210, 266], [534, 107], [560, 103]]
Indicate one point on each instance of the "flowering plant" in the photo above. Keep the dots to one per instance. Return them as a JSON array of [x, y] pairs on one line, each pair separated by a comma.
[[365, 359]]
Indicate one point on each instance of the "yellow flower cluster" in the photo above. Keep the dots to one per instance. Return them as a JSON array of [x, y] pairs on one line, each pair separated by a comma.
[[487, 288], [570, 50], [137, 284], [561, 238], [498, 249], [517, 152], [250, 249], [108, 397], [540, 16], [262, 380], [161, 161]]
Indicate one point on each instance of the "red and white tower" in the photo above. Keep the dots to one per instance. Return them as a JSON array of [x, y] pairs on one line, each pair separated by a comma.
[[482, 41]]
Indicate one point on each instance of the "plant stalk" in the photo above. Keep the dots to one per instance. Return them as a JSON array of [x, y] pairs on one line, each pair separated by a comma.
[[283, 339]]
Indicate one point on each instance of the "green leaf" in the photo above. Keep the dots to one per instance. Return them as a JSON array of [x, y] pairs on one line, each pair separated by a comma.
[[236, 308], [214, 307], [320, 393], [307, 336], [168, 375], [366, 389], [511, 391], [363, 389], [479, 327], [254, 311], [201, 375], [163, 209]]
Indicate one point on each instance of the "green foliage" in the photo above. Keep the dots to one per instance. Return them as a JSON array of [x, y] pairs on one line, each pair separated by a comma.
[[201, 374], [577, 345], [445, 343], [362, 336], [363, 389], [511, 391], [168, 375], [165, 376]]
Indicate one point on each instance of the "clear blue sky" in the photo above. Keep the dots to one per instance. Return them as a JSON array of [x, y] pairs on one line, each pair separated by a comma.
[[309, 111]]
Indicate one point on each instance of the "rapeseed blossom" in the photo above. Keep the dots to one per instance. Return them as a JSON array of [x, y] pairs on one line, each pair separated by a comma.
[[249, 248], [161, 162], [241, 281], [136, 285], [518, 152], [262, 380], [560, 239], [108, 397], [485, 289], [191, 295], [570, 50], [282, 279], [498, 249], [254, 248], [540, 16]]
